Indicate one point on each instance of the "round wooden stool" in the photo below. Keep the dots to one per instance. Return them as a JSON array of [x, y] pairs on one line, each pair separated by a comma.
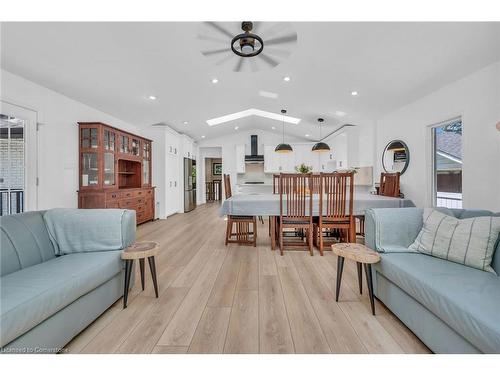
[[362, 255], [141, 251]]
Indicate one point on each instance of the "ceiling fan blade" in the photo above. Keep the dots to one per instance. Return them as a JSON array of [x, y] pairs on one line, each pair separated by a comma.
[[278, 52], [282, 39], [270, 61], [238, 66], [224, 59], [253, 66], [212, 39], [215, 51], [221, 29], [274, 29]]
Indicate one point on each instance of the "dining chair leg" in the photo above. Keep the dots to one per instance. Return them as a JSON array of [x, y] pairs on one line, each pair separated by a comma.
[[228, 230], [310, 239], [320, 234], [281, 240], [360, 277], [272, 224], [255, 232], [340, 267]]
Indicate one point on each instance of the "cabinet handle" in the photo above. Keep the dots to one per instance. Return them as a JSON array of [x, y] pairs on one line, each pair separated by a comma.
[[175, 183]]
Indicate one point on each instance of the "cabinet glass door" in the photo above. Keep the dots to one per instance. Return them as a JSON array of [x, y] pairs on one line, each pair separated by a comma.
[[90, 170], [109, 140], [89, 137], [136, 147], [109, 169], [124, 146], [146, 163]]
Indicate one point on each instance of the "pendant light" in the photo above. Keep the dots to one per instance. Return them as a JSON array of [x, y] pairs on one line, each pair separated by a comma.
[[320, 146], [283, 148]]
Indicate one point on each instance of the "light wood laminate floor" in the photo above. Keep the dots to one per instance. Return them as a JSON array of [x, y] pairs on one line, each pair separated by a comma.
[[241, 299]]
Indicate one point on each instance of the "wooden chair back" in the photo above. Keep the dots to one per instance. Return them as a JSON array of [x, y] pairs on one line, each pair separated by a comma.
[[315, 183], [227, 186], [336, 195], [294, 190], [276, 181], [389, 184]]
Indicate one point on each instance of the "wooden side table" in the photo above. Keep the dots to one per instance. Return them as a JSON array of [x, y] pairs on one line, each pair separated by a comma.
[[141, 251], [362, 255]]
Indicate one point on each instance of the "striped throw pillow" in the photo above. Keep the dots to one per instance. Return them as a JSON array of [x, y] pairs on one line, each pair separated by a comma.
[[470, 242]]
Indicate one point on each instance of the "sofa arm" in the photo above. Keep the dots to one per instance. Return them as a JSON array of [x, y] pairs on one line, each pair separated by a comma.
[[392, 229], [128, 228]]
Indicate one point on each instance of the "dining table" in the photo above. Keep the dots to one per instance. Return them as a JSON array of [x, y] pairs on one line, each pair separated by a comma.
[[268, 204]]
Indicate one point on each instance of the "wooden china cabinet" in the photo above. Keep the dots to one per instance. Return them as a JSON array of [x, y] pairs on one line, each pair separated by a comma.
[[115, 170]]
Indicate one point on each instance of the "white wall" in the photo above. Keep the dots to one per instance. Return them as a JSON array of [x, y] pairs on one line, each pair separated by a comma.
[[58, 136], [476, 98]]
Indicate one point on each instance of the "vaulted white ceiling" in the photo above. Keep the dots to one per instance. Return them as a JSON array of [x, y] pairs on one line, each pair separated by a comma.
[[114, 67]]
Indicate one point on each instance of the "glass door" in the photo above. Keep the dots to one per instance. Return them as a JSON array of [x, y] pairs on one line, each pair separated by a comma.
[[89, 156], [12, 165], [109, 157]]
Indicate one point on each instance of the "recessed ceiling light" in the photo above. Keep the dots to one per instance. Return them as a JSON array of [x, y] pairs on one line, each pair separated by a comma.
[[152, 97], [354, 93], [215, 80], [307, 135], [202, 136], [253, 112], [286, 78], [340, 113], [236, 127], [273, 127], [185, 122]]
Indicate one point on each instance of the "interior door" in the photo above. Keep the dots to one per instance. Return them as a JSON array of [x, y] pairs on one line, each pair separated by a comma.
[[18, 159]]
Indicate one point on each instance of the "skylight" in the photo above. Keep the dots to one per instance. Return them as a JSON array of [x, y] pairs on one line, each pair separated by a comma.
[[253, 112]]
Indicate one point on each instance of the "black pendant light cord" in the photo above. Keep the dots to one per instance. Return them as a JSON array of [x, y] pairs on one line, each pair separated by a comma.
[[283, 111]]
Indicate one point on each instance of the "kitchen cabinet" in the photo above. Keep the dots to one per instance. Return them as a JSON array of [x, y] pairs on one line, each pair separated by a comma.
[[172, 174], [188, 147], [240, 158]]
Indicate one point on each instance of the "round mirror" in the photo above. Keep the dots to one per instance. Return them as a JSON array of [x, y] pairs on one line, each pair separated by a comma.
[[396, 157]]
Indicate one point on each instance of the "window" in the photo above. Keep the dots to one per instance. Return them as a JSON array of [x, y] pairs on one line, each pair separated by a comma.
[[447, 166]]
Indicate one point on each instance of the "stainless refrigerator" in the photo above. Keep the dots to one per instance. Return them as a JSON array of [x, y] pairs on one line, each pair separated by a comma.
[[189, 184]]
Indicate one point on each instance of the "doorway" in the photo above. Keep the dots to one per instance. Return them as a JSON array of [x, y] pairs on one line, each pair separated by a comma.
[[18, 150], [213, 179]]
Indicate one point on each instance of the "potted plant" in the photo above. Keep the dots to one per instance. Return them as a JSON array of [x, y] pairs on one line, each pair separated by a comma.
[[303, 168]]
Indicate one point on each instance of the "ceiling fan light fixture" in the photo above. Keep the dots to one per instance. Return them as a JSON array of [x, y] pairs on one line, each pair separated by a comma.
[[247, 44]]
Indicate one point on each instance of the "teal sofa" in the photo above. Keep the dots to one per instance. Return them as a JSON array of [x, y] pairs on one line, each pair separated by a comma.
[[46, 300], [452, 308]]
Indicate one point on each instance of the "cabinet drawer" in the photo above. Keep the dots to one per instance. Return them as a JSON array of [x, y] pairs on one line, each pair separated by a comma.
[[113, 195], [128, 203], [140, 208], [127, 194]]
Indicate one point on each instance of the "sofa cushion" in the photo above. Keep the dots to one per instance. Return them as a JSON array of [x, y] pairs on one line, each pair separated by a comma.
[[466, 299], [24, 242], [73, 230], [33, 294], [468, 241]]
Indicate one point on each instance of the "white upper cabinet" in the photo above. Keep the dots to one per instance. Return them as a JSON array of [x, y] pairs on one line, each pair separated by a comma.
[[240, 158], [188, 147]]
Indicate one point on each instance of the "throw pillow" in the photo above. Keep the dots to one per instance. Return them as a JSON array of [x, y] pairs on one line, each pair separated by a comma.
[[470, 242]]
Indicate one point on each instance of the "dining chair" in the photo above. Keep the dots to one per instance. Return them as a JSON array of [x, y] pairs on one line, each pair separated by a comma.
[[389, 184], [295, 210], [242, 235], [336, 200]]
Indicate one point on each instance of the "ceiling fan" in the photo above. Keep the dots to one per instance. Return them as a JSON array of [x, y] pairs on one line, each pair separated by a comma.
[[261, 45]]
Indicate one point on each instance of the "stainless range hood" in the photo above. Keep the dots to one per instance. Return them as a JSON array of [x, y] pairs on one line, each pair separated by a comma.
[[254, 157]]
